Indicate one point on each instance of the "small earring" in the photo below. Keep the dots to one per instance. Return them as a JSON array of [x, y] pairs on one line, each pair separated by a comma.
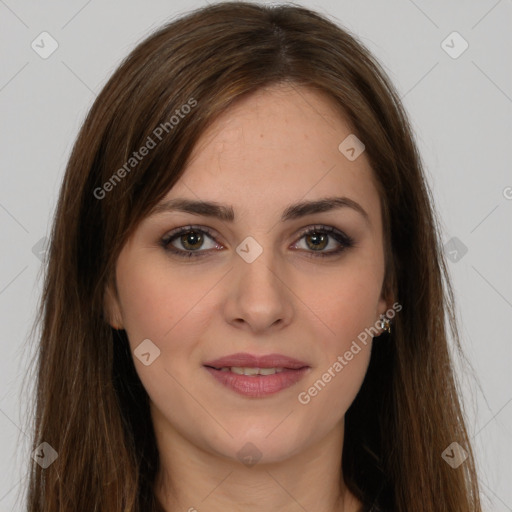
[[385, 323]]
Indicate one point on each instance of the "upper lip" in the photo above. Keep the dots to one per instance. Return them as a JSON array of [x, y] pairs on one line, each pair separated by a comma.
[[253, 361]]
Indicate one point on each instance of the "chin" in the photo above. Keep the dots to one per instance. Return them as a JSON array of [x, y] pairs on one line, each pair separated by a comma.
[[260, 446]]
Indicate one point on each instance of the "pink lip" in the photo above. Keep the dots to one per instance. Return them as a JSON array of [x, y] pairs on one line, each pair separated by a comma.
[[252, 361], [257, 386]]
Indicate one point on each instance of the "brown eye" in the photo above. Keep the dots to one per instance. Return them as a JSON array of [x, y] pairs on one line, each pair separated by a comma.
[[319, 241], [318, 238], [189, 241]]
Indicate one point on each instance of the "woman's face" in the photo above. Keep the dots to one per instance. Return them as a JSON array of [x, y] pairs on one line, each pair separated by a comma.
[[255, 284]]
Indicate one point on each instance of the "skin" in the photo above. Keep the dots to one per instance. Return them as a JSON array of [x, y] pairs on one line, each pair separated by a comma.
[[274, 148]]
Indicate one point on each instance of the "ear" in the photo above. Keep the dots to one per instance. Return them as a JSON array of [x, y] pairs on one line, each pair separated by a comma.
[[111, 307], [387, 295], [385, 303]]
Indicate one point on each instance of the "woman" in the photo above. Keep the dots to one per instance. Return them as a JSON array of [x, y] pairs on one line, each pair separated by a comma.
[[243, 212]]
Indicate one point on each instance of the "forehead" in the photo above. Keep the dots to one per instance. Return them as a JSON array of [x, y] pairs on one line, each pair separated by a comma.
[[275, 147]]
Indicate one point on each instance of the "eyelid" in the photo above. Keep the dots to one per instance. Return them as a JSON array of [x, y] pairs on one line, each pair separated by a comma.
[[165, 241], [190, 227], [345, 241], [339, 236]]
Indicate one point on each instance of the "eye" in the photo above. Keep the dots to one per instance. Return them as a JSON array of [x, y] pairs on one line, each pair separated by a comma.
[[191, 240], [317, 238]]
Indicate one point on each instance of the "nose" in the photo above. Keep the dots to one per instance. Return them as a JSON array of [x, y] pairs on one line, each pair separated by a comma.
[[260, 298]]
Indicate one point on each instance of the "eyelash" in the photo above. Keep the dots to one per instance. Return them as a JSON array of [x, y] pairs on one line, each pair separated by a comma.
[[345, 240]]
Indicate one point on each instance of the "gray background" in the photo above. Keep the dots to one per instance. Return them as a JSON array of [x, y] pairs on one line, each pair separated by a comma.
[[460, 110]]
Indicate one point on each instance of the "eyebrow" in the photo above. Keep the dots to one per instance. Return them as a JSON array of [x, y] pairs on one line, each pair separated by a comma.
[[226, 213]]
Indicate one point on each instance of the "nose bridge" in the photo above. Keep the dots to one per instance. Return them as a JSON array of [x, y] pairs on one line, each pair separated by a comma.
[[261, 297], [257, 274], [259, 277]]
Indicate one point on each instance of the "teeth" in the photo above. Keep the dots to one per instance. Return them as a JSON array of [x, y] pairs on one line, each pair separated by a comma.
[[269, 371], [252, 371]]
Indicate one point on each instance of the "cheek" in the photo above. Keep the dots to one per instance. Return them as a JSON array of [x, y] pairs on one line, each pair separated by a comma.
[[158, 302], [145, 301], [165, 307], [346, 303], [345, 350]]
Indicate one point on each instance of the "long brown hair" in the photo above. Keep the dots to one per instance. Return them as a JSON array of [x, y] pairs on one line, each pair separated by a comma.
[[89, 403]]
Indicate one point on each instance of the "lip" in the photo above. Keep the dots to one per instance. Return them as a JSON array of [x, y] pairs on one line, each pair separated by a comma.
[[257, 386], [253, 361]]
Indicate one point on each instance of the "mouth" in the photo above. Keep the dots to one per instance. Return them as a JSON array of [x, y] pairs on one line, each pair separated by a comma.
[[249, 370], [268, 361], [257, 376]]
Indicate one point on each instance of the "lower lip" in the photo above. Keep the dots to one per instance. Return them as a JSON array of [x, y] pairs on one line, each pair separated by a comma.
[[258, 386]]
